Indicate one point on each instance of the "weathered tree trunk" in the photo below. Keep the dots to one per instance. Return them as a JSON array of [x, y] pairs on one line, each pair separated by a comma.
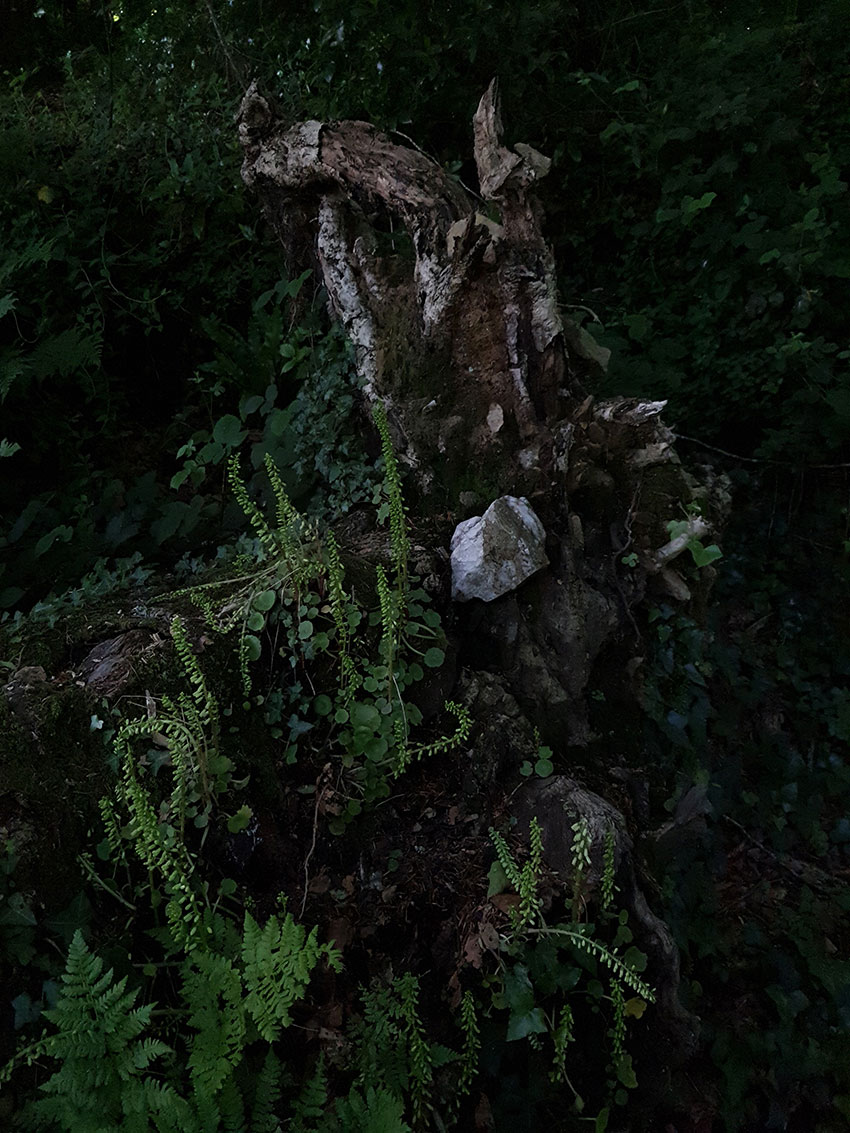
[[456, 327], [451, 303]]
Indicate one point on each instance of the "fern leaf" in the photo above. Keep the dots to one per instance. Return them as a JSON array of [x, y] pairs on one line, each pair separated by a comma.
[[267, 1096], [12, 367], [278, 962], [98, 1085], [77, 348], [213, 991], [378, 1111], [310, 1105], [231, 1107]]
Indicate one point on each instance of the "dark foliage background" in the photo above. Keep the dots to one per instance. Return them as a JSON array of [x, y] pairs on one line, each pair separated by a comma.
[[697, 205]]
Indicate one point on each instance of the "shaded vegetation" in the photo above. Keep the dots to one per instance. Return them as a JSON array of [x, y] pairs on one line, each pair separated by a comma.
[[148, 333]]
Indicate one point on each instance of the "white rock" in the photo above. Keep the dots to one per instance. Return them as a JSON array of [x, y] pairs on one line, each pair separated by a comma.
[[494, 553], [495, 417]]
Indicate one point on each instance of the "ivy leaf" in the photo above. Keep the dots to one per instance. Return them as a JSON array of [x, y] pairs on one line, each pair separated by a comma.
[[638, 326], [634, 959], [228, 431], [26, 1010], [365, 716], [178, 478], [543, 768], [533, 1022], [375, 749], [519, 993], [635, 1007], [690, 206], [46, 541], [278, 422], [249, 405], [677, 527], [76, 915], [702, 556], [497, 879]]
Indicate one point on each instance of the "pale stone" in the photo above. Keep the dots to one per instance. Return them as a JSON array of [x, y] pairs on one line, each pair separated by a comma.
[[495, 417], [496, 552]]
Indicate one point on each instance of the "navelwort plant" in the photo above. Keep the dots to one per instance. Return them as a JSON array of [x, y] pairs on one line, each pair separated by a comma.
[[547, 970], [295, 594]]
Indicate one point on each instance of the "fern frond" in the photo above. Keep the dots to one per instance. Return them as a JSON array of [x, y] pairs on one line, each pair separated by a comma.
[[439, 747], [231, 1107], [309, 1107], [607, 885], [378, 1111], [618, 1026], [529, 902], [99, 1083], [288, 516], [204, 699], [562, 1036], [339, 612], [278, 961], [418, 1050], [379, 1040], [506, 859], [106, 806], [212, 990], [161, 854], [390, 620], [471, 1043], [255, 517], [71, 351], [267, 1092]]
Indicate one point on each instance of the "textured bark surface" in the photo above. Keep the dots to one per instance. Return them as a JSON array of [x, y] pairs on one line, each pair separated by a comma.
[[453, 315], [450, 300], [455, 321]]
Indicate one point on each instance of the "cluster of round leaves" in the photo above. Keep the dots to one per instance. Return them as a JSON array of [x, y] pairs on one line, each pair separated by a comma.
[[366, 719]]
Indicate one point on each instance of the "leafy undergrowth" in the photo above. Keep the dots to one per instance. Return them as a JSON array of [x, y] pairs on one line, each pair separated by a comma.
[[750, 711], [339, 787], [427, 993]]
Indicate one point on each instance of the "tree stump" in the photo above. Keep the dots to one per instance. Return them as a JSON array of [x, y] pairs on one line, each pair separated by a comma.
[[450, 300]]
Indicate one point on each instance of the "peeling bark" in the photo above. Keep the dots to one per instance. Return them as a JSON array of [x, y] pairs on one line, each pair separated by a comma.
[[451, 303], [452, 306], [468, 324]]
